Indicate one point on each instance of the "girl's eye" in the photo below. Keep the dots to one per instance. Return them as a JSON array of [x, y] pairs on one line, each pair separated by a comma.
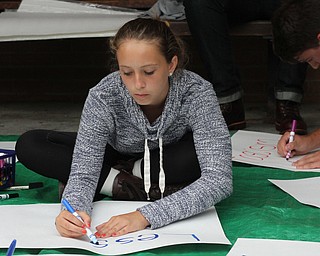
[[149, 73], [126, 73]]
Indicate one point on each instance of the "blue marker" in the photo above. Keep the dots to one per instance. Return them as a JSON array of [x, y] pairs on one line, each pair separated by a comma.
[[91, 236], [12, 247]]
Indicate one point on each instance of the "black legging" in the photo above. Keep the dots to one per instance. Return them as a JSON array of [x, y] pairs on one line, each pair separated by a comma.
[[49, 153]]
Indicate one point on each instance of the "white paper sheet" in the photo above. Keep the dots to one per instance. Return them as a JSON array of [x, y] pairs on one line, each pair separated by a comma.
[[38, 26], [269, 247], [33, 227], [51, 19], [306, 191], [60, 6], [259, 148]]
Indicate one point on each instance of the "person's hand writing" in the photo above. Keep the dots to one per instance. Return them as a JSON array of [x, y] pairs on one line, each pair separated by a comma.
[[122, 224], [309, 161], [299, 145], [69, 226]]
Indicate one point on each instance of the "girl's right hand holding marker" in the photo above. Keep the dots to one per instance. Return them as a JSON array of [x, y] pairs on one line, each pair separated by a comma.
[[69, 226]]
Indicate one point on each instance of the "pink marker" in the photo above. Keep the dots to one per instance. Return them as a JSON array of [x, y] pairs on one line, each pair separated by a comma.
[[292, 133]]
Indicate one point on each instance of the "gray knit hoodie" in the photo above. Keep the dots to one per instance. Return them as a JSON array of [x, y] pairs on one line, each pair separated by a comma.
[[110, 115]]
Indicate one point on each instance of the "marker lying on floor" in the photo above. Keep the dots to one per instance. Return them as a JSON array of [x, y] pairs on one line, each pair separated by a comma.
[[12, 247], [89, 233], [30, 186], [8, 196]]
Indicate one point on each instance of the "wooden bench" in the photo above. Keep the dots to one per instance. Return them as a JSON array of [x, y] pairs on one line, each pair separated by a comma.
[[18, 58]]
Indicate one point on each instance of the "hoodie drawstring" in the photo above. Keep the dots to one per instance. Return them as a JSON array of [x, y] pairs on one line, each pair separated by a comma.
[[162, 177], [146, 162], [146, 176]]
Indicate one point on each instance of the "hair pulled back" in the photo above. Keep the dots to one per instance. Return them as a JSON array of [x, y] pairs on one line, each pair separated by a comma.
[[151, 30]]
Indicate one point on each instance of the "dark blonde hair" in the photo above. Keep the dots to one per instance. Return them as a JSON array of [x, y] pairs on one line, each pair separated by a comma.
[[151, 30]]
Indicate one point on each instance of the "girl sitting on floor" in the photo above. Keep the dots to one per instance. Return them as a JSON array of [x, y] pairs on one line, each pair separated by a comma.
[[149, 131]]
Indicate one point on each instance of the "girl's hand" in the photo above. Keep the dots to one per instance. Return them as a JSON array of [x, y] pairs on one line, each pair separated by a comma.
[[122, 224], [69, 226]]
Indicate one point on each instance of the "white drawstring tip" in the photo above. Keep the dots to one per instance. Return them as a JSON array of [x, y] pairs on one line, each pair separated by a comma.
[[147, 181]]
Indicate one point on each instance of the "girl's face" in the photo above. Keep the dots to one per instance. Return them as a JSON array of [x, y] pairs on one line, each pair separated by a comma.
[[144, 71]]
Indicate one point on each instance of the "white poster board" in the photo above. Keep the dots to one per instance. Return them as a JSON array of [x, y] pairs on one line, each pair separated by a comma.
[[269, 247], [306, 191], [33, 227], [259, 148]]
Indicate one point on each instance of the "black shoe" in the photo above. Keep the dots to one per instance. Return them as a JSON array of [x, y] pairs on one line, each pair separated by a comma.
[[286, 111], [233, 113], [129, 187]]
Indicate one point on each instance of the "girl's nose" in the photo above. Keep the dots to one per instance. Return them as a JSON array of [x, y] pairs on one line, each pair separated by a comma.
[[139, 82]]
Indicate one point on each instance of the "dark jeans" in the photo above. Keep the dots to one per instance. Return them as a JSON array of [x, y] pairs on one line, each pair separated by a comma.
[[209, 22], [49, 153]]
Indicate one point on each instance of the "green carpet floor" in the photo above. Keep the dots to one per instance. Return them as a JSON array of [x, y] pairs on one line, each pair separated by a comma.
[[256, 209]]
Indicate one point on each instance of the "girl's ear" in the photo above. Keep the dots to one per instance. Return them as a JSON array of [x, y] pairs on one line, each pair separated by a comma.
[[173, 64], [318, 37]]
